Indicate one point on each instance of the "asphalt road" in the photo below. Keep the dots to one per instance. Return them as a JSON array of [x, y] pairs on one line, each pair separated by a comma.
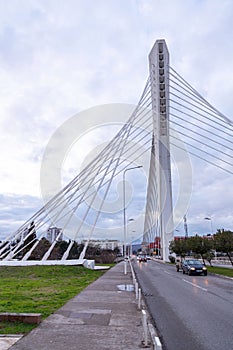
[[190, 312]]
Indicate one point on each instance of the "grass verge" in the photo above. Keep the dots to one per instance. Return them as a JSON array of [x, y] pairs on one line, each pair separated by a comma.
[[225, 271], [39, 289]]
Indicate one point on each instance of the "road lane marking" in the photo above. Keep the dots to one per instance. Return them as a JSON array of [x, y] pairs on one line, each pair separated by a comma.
[[167, 272], [195, 285]]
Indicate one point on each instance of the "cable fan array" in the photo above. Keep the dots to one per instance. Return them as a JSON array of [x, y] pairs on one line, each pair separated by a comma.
[[78, 207], [206, 133], [194, 126]]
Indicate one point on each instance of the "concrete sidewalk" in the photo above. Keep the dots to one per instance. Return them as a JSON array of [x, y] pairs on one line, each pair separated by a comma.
[[103, 316]]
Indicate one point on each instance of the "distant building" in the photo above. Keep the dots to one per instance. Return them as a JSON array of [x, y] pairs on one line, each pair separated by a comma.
[[105, 244], [179, 238], [53, 234]]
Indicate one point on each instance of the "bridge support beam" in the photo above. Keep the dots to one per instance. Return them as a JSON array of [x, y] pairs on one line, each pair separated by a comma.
[[159, 76]]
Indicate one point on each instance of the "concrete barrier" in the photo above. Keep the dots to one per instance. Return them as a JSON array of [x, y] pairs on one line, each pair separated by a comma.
[[20, 317]]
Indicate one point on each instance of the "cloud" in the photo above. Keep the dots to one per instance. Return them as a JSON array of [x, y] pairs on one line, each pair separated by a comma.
[[15, 210]]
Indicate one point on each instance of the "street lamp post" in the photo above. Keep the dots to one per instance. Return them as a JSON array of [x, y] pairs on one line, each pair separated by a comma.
[[124, 204], [211, 225], [131, 244]]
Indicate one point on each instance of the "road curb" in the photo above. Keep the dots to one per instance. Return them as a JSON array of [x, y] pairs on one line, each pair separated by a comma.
[[155, 340]]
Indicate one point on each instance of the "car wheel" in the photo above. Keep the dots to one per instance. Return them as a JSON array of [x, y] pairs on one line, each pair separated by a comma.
[[189, 273], [205, 273]]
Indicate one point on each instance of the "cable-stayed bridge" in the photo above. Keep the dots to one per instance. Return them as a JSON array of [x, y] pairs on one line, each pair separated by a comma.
[[170, 123]]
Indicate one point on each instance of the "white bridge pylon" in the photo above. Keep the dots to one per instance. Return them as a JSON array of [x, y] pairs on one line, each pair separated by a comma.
[[160, 154], [169, 106]]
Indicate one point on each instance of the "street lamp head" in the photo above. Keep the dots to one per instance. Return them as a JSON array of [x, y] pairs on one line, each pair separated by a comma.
[[134, 167]]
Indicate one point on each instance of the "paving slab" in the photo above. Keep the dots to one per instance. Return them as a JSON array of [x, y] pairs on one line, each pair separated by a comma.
[[6, 341], [103, 316]]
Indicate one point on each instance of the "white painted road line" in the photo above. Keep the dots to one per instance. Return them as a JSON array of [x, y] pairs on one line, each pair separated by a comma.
[[195, 285]]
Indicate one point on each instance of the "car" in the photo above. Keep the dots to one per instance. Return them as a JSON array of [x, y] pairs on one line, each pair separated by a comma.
[[142, 258], [193, 267]]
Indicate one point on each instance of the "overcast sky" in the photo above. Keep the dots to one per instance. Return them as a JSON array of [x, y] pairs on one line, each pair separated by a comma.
[[60, 57]]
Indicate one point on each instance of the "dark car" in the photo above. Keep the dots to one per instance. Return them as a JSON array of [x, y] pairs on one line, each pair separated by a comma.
[[142, 258], [193, 266]]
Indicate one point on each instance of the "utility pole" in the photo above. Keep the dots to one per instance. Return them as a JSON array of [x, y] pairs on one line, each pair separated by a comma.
[[185, 227]]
